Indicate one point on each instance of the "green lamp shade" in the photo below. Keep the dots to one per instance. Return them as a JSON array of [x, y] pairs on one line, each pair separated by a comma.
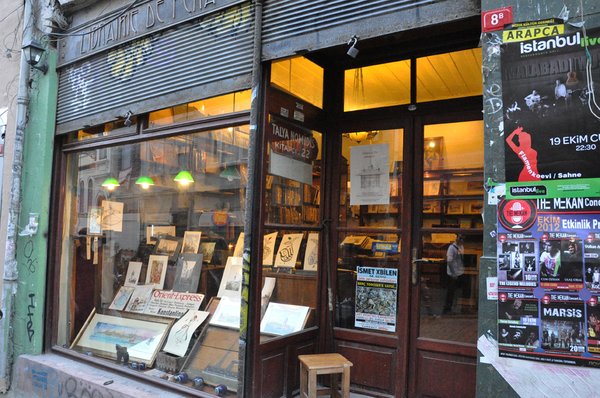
[[230, 173], [145, 182], [111, 183], [184, 177]]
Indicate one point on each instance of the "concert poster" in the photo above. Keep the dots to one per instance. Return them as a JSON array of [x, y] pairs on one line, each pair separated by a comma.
[[549, 275], [551, 120]]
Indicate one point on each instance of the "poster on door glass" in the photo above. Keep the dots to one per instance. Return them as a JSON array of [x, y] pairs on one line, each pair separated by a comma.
[[369, 175], [551, 123], [376, 298]]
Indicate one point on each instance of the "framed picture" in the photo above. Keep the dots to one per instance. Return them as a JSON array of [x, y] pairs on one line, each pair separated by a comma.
[[215, 357], [168, 246], [431, 188], [191, 241], [433, 153], [475, 207], [157, 269], [133, 273], [182, 331], [266, 293], [207, 249], [153, 231], [231, 282], [269, 248], [95, 221], [311, 254], [227, 313], [121, 298], [140, 297], [455, 208], [112, 216], [187, 276], [288, 250], [282, 319], [143, 339], [238, 251]]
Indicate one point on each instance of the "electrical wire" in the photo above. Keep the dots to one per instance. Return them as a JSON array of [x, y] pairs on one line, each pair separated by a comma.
[[10, 13], [588, 67]]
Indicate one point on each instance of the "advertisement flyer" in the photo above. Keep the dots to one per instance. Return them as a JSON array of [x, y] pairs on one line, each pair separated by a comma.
[[549, 273], [551, 120], [376, 297]]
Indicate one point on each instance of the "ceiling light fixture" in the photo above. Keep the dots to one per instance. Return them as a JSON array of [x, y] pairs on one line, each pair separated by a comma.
[[184, 178], [145, 182], [111, 183]]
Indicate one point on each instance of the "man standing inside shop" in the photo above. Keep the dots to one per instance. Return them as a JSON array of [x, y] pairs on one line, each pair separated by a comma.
[[455, 267]]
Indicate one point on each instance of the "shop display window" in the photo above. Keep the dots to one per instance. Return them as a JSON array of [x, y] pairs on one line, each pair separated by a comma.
[[292, 236], [223, 104], [150, 267]]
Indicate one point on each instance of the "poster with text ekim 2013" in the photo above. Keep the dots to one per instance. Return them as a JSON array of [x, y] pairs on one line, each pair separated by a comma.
[[551, 116]]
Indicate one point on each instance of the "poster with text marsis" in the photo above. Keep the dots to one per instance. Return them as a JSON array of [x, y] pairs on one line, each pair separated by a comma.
[[551, 120]]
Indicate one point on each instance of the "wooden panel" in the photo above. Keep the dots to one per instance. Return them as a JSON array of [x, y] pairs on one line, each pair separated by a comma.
[[295, 289], [273, 376], [367, 358], [442, 375], [294, 364]]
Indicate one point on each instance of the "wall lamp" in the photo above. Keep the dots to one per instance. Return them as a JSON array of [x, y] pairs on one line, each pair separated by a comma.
[[33, 52]]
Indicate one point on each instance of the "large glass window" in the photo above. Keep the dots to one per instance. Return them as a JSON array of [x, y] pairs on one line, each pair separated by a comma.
[[299, 77], [450, 75], [377, 86], [150, 273]]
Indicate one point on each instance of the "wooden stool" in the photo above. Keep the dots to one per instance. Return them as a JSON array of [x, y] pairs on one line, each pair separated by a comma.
[[312, 366]]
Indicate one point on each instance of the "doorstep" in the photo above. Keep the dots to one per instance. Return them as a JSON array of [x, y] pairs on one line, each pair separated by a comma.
[[51, 375]]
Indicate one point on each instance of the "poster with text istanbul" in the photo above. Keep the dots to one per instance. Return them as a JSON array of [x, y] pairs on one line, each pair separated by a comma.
[[551, 115]]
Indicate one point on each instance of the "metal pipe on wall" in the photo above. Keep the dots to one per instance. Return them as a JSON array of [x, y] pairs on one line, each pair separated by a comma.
[[10, 275], [250, 219]]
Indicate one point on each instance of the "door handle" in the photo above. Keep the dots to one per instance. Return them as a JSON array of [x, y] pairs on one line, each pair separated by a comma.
[[415, 271]]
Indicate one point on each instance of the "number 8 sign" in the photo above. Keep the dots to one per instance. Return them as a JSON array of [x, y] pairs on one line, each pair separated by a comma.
[[496, 19]]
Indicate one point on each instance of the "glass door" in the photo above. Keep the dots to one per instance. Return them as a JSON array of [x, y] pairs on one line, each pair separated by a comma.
[[445, 259]]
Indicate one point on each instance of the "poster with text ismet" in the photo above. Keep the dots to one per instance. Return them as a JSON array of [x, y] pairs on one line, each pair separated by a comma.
[[551, 120], [549, 274]]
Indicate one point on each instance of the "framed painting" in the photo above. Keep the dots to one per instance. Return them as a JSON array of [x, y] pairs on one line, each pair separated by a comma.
[[157, 269], [288, 250], [95, 221], [187, 276], [282, 319], [269, 248], [231, 282], [121, 298], [191, 241], [133, 273], [168, 246], [140, 297], [153, 231], [143, 339], [207, 249]]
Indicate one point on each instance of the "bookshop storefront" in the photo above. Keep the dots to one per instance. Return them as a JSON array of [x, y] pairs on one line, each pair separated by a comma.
[[368, 169]]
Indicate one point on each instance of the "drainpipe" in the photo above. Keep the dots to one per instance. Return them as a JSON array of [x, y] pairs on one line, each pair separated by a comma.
[[252, 210], [9, 283]]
